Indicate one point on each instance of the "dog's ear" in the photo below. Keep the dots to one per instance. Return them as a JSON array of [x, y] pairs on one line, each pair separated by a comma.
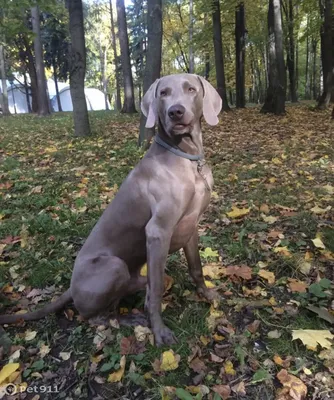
[[212, 102], [149, 105]]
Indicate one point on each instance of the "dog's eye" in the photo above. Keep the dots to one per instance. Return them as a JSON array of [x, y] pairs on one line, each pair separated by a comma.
[[191, 90], [163, 93]]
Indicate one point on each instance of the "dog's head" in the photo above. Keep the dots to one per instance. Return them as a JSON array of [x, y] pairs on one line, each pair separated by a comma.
[[179, 102]]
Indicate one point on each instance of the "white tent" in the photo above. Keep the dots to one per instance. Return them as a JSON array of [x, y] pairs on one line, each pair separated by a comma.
[[94, 98], [17, 98]]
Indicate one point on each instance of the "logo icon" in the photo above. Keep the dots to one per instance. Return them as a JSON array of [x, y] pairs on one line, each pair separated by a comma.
[[10, 389]]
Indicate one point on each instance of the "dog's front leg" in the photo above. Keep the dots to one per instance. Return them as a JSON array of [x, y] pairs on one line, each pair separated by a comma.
[[195, 268], [158, 239]]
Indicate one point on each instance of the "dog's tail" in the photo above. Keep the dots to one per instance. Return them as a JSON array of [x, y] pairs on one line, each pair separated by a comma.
[[48, 309]]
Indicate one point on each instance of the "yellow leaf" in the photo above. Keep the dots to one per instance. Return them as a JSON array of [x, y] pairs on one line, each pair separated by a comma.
[[318, 243], [329, 189], [143, 271], [118, 375], [7, 370], [169, 361], [218, 338], [228, 366], [205, 340], [209, 284], [276, 161], [238, 212], [30, 335], [283, 250], [267, 275], [297, 389], [270, 219], [272, 180], [311, 338], [318, 210]]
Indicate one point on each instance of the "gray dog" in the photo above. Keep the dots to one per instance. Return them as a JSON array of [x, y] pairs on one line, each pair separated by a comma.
[[155, 212]]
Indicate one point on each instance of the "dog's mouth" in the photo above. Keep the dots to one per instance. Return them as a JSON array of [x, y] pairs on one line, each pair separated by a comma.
[[180, 129]]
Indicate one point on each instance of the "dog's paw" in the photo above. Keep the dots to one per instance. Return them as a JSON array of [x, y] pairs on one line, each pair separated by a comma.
[[164, 336], [209, 294]]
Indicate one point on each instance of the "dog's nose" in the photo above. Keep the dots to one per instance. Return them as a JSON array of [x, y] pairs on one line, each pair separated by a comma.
[[176, 112]]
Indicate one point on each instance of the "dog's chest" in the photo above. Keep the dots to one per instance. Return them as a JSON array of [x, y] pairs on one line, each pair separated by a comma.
[[200, 201]]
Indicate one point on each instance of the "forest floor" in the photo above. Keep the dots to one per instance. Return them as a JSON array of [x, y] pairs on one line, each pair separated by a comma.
[[267, 245]]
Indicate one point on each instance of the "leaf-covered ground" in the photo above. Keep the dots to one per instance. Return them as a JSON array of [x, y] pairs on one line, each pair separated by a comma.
[[267, 244]]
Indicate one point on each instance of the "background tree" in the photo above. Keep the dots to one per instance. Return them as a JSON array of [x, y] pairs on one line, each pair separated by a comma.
[[326, 10], [275, 98], [78, 68], [43, 97], [153, 58], [116, 64], [3, 92], [288, 8], [219, 54], [129, 97], [240, 43]]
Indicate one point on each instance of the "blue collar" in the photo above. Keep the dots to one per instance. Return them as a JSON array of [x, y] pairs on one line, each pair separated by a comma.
[[177, 151]]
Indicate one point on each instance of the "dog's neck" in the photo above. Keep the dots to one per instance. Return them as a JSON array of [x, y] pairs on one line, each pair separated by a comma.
[[189, 144]]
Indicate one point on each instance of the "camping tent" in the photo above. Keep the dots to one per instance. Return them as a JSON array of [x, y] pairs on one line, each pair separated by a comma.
[[94, 98], [17, 97]]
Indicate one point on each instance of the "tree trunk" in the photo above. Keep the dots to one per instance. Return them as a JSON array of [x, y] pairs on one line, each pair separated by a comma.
[[55, 78], [153, 60], [240, 43], [326, 7], [29, 61], [4, 94], [314, 69], [291, 62], [219, 54], [78, 68], [307, 66], [26, 89], [114, 46], [129, 97], [43, 98], [275, 98], [104, 80], [191, 29]]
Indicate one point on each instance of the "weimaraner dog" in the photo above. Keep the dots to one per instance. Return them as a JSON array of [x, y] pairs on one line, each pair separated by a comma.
[[155, 212]]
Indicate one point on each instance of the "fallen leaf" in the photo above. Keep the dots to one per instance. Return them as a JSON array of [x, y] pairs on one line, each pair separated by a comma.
[[129, 345], [267, 275], [274, 334], [311, 338], [7, 370], [209, 284], [238, 212], [239, 389], [30, 335], [318, 243], [243, 272], [254, 326], [318, 210], [143, 270], [223, 390], [142, 332], [65, 355], [169, 361], [215, 358], [297, 286], [322, 313], [197, 365], [228, 367], [118, 375], [269, 219], [283, 250], [297, 389]]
